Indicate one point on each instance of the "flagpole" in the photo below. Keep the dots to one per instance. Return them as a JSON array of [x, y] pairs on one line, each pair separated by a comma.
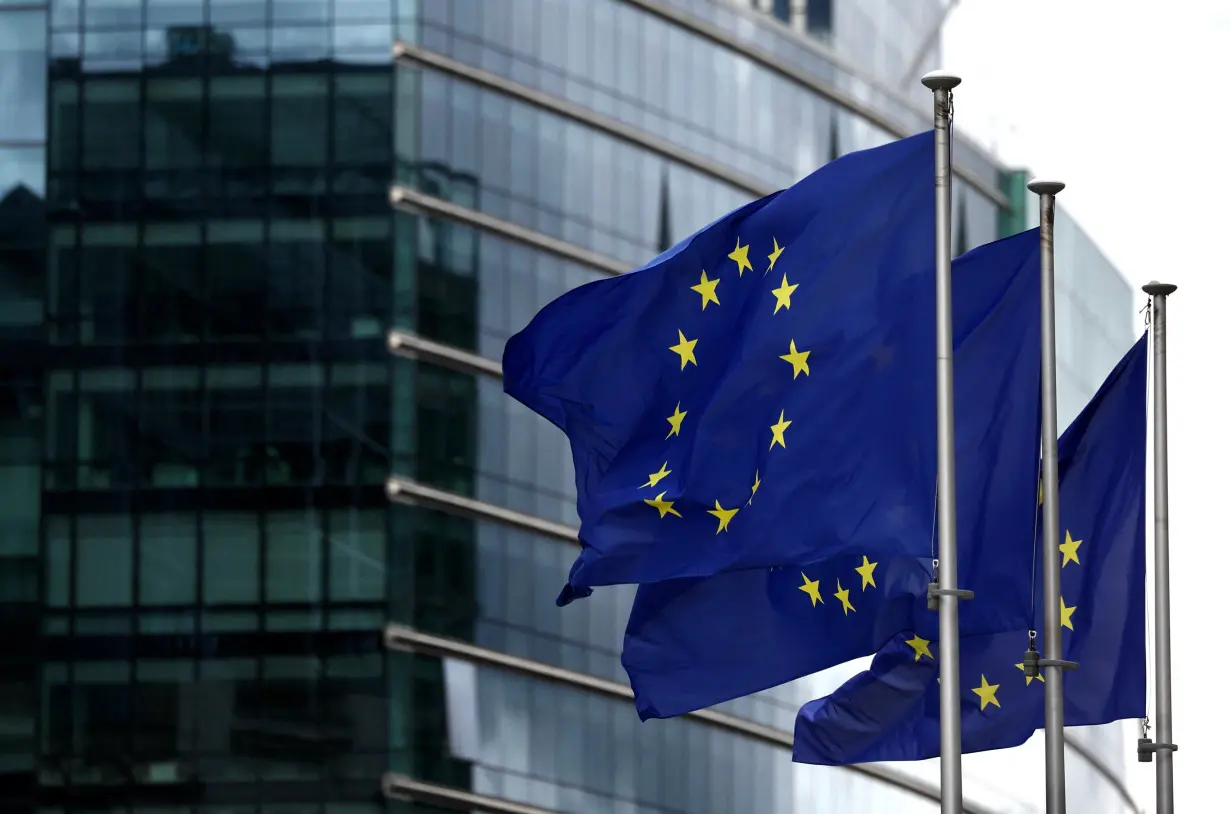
[[1164, 746], [946, 594], [1052, 662]]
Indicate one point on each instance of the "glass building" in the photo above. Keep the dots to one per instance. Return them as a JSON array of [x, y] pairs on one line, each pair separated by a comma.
[[212, 213]]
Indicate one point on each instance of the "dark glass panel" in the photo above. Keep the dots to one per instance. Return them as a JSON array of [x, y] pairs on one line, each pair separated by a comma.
[[294, 556], [104, 561], [171, 428], [64, 140], [446, 408], [234, 254], [62, 300], [295, 292], [819, 17], [111, 124], [173, 285], [360, 277], [167, 559], [231, 558], [238, 140], [174, 122], [174, 137], [363, 131], [299, 140], [355, 426], [233, 402], [110, 269]]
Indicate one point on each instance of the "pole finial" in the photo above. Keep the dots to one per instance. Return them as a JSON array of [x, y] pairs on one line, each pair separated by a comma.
[[941, 80], [1041, 187], [1156, 289]]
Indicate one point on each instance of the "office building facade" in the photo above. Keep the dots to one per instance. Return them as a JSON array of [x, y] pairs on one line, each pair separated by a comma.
[[213, 213]]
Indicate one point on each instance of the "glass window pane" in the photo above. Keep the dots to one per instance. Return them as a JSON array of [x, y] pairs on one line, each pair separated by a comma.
[[296, 278], [237, 11], [104, 561], [172, 285], [819, 17], [300, 11], [23, 75], [236, 261], [168, 559], [360, 276], [300, 135], [235, 441], [237, 135], [113, 14], [58, 534], [110, 262], [174, 123], [363, 121], [231, 558], [357, 551], [162, 14], [64, 13], [65, 134], [293, 557], [111, 124]]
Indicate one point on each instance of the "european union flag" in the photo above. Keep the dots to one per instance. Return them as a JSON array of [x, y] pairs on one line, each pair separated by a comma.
[[891, 712], [761, 394], [692, 643]]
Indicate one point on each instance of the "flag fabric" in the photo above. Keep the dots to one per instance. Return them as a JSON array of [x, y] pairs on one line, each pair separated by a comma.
[[891, 711], [763, 393], [692, 643]]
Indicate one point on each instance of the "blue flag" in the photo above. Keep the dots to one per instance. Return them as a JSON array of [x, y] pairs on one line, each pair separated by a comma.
[[891, 712], [696, 642], [763, 393]]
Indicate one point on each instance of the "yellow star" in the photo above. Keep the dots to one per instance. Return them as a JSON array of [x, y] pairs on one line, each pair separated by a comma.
[[724, 516], [664, 507], [798, 360], [811, 587], [843, 595], [1065, 615], [777, 252], [755, 486], [986, 694], [686, 350], [779, 431], [739, 255], [921, 646], [707, 289], [867, 571], [676, 421], [656, 476], [1030, 679], [1069, 547], [783, 294]]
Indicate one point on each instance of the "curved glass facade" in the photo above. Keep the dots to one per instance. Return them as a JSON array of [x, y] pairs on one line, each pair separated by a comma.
[[199, 264]]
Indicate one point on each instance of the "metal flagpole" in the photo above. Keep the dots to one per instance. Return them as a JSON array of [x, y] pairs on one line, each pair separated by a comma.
[[1052, 662], [1164, 746], [945, 594]]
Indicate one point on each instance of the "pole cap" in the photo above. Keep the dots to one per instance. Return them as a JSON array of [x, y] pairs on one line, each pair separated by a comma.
[[1041, 187], [941, 80], [1156, 289]]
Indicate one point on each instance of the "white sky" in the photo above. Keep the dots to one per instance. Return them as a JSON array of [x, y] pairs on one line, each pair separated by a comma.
[[1126, 102]]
